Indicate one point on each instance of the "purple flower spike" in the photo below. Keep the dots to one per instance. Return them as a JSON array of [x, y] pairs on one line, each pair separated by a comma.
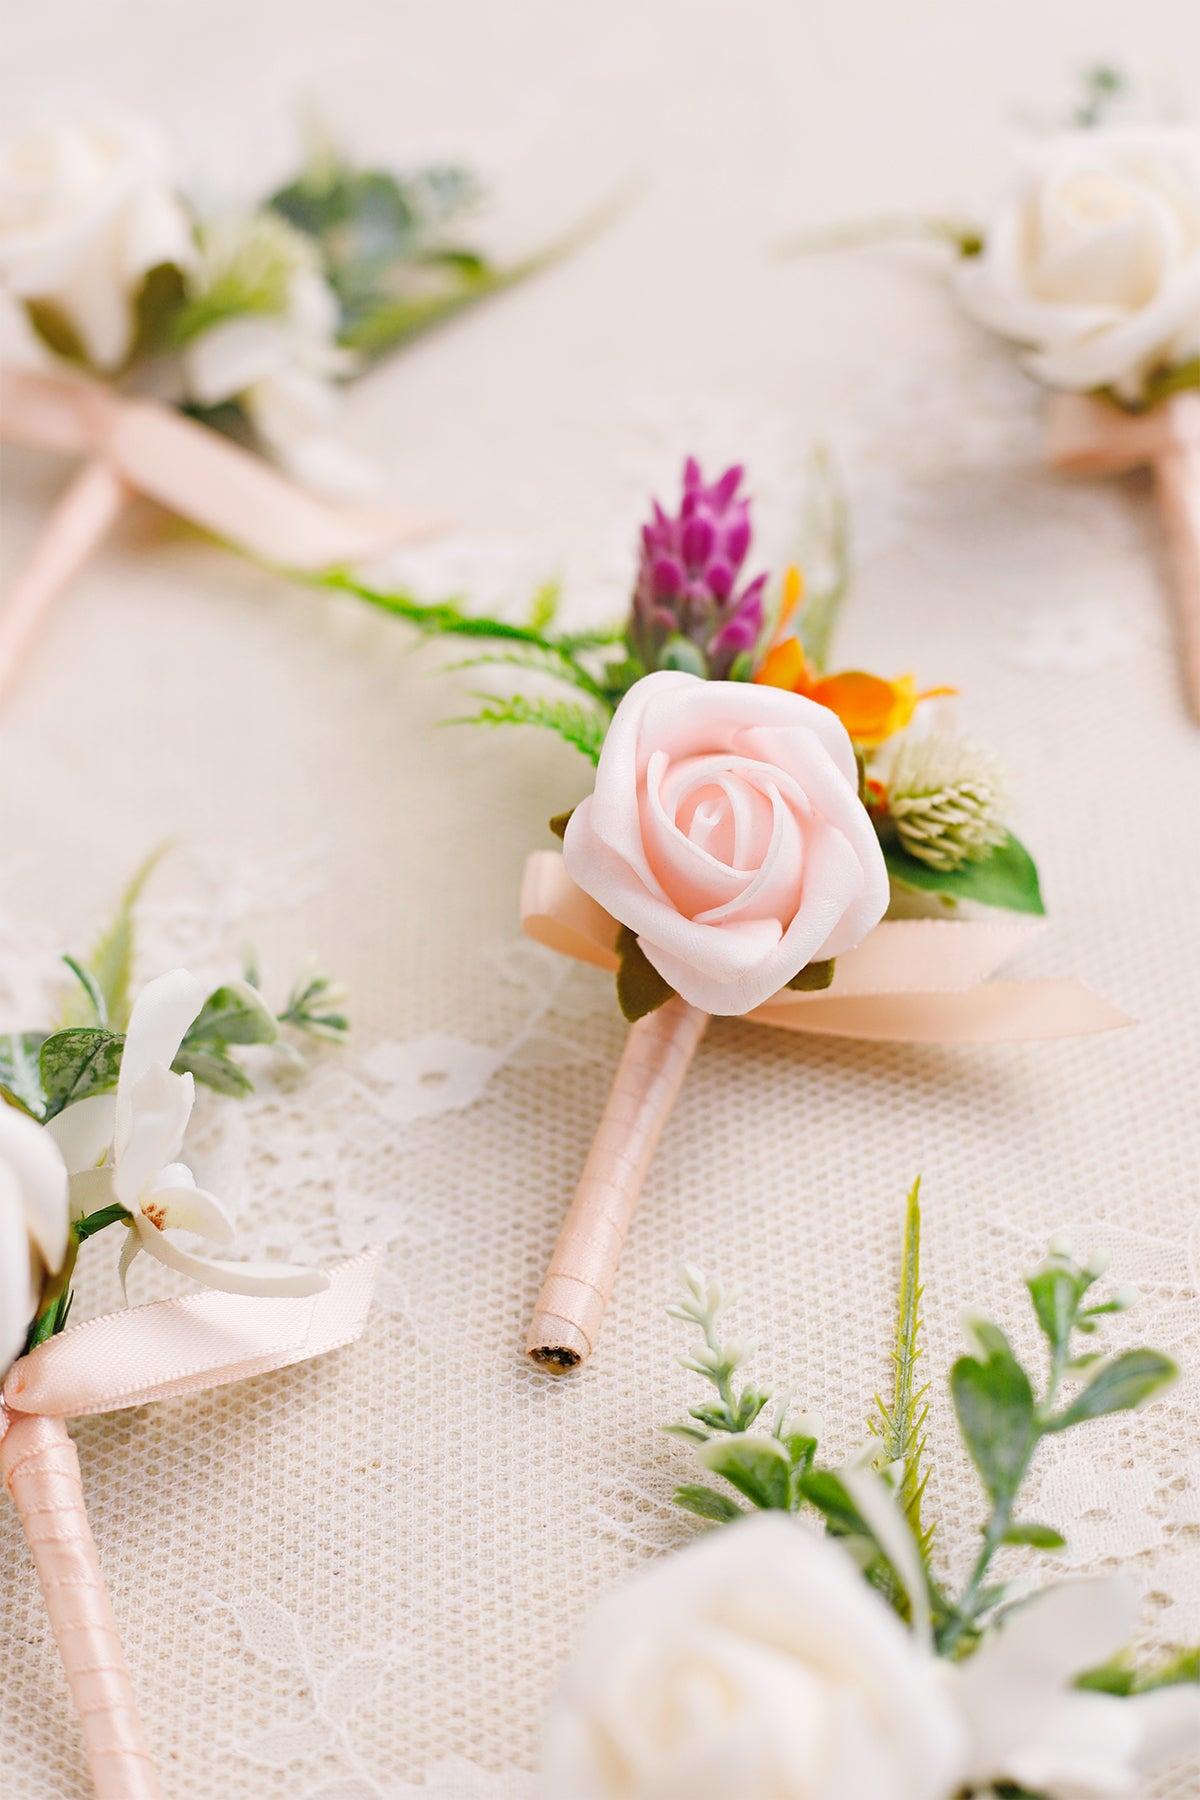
[[688, 574]]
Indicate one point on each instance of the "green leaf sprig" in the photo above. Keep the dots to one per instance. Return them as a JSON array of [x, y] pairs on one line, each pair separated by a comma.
[[1001, 1419]]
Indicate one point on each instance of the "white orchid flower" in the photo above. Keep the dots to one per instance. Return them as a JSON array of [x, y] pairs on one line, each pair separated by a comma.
[[1031, 1725], [125, 1147], [33, 1224]]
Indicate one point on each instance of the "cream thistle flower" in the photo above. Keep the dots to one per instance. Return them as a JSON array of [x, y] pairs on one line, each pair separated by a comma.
[[948, 800]]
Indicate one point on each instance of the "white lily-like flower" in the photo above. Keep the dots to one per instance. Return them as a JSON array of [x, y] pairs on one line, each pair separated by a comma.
[[125, 1147], [1032, 1726], [33, 1224], [279, 358]]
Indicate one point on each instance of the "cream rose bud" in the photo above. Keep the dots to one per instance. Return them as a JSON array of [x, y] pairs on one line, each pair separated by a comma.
[[1093, 261], [33, 1224], [756, 1663], [86, 210], [725, 829]]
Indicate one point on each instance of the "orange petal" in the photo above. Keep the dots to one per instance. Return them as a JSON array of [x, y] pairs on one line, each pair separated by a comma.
[[793, 593], [785, 666], [867, 705]]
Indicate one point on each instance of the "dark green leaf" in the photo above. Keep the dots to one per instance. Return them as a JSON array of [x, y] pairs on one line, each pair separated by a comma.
[[100, 1220], [1119, 1386], [20, 1076], [801, 1450], [995, 1407], [640, 987], [706, 1503], [1039, 1537], [813, 977], [828, 1493], [1007, 878], [83, 1060], [214, 1070], [756, 1466]]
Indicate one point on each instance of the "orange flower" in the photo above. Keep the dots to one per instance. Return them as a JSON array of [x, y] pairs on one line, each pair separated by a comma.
[[870, 707]]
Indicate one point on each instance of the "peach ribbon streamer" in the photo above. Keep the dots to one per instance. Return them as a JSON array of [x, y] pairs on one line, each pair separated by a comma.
[[1094, 437], [133, 446], [916, 981], [155, 1352]]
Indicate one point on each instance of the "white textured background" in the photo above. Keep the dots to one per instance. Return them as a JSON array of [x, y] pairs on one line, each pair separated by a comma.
[[334, 1580]]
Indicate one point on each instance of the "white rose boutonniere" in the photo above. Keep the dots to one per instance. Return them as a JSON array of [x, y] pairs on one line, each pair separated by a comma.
[[87, 209], [1092, 262], [756, 1662]]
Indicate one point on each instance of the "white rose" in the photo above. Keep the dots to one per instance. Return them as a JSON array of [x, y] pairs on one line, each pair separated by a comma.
[[86, 210], [1093, 261], [757, 1663], [33, 1224]]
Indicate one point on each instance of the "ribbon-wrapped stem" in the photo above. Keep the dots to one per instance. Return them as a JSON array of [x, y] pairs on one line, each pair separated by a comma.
[[40, 1467], [83, 515], [1094, 437], [1177, 479], [578, 1284]]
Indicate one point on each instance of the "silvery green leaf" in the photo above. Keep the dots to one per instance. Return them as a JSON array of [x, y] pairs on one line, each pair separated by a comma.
[[20, 1076], [72, 1064], [91, 988], [215, 1070], [996, 1414], [235, 1013], [706, 1503], [1055, 1291], [1119, 1386], [756, 1466]]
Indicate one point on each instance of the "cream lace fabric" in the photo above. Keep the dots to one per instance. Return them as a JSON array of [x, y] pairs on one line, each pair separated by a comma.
[[357, 1579]]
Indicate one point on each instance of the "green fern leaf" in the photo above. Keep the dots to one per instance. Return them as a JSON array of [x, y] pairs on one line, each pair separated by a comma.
[[580, 726], [900, 1426], [551, 662]]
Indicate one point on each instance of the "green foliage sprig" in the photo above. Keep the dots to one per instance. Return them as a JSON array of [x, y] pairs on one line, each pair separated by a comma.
[[44, 1071], [1002, 1418]]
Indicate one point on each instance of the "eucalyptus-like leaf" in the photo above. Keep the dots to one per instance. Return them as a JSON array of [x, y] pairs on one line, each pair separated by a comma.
[[706, 1503], [827, 1491], [756, 1466], [1118, 1386], [1056, 1290], [996, 1414], [83, 1060]]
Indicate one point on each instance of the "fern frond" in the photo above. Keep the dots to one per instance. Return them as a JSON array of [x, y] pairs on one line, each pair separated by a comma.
[[551, 662], [900, 1426], [580, 726]]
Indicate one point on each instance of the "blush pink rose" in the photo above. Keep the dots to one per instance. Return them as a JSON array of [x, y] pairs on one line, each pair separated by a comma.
[[725, 829]]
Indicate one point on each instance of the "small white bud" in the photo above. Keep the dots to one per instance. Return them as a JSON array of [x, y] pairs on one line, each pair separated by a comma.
[[1062, 1244], [1096, 1263], [1126, 1297]]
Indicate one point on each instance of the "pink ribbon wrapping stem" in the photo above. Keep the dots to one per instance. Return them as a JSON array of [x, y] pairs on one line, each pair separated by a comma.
[[133, 446], [155, 1352], [915, 981], [1086, 436]]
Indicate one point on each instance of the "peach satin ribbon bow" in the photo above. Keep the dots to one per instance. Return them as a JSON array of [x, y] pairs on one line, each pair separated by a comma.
[[918, 981], [1094, 437], [133, 446], [154, 1352]]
